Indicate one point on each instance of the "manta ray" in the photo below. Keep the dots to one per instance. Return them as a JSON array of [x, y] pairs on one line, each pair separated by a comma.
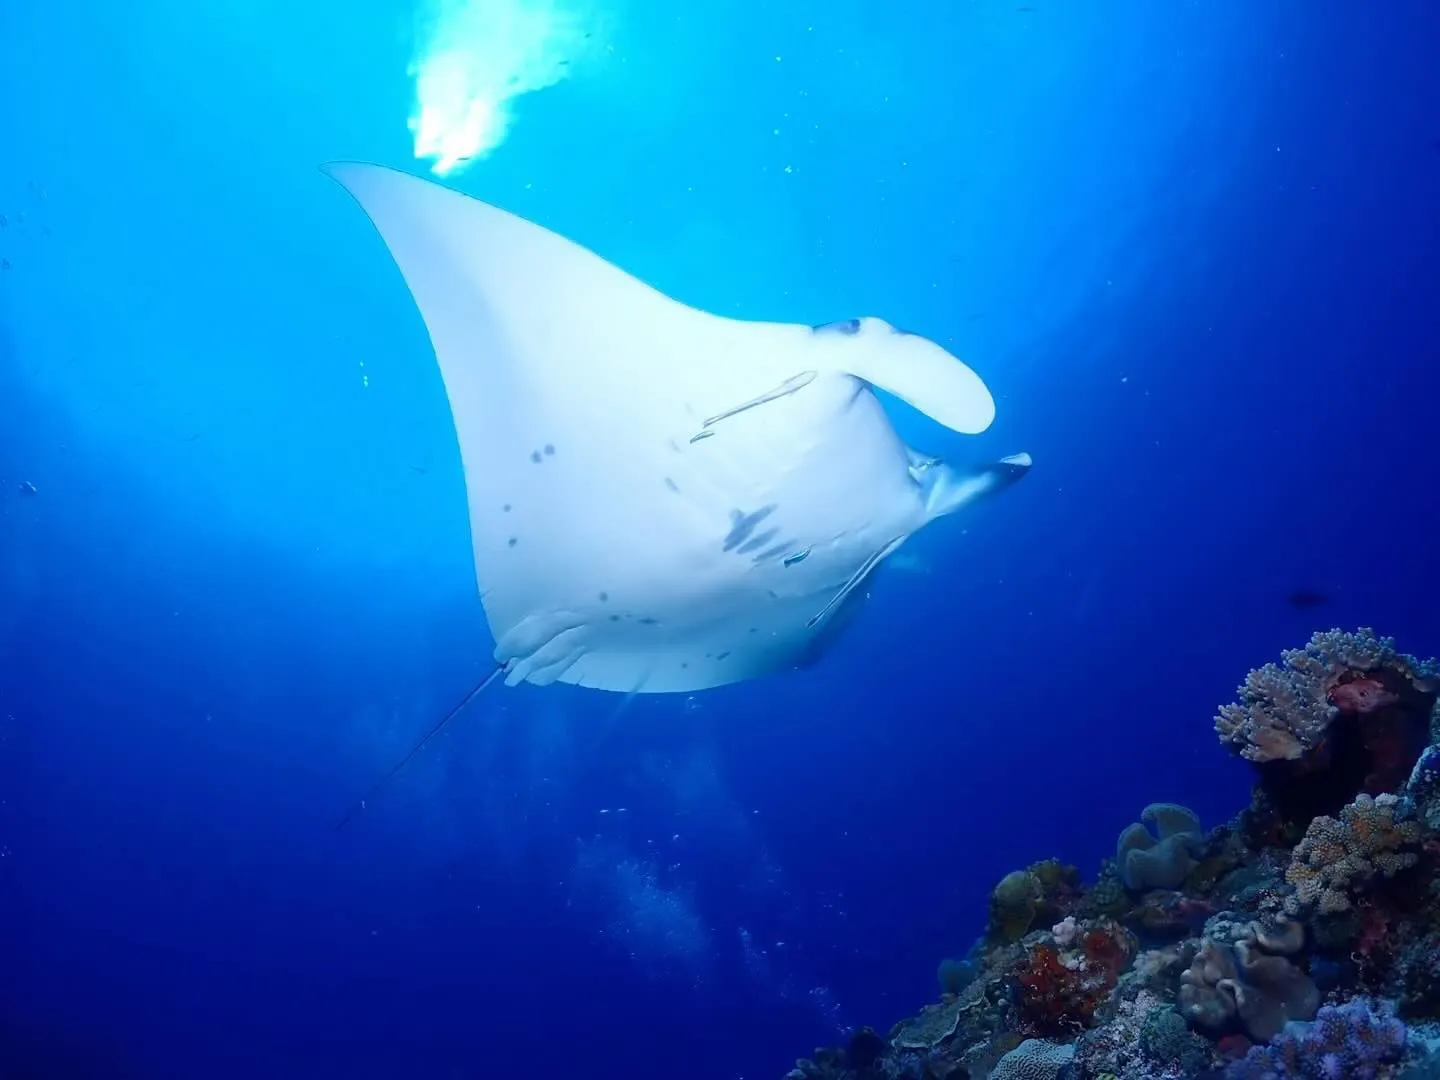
[[662, 500]]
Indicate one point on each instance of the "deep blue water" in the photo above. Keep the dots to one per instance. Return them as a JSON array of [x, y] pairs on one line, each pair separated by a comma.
[[1192, 247]]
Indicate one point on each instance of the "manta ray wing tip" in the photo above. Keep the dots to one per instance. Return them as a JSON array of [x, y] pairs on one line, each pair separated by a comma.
[[343, 171]]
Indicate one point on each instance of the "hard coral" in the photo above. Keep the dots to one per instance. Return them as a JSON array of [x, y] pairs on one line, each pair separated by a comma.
[[932, 1026], [1033, 1059], [1167, 1039], [1042, 893], [1338, 858], [1014, 903], [1344, 715]]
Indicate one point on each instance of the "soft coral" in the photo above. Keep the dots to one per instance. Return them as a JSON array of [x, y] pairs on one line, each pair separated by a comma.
[[1060, 991]]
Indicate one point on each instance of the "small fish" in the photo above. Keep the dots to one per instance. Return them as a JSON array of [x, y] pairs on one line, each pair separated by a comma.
[[27, 488], [1306, 599]]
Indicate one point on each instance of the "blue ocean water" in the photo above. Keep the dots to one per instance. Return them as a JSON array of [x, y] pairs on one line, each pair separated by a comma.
[[1191, 247]]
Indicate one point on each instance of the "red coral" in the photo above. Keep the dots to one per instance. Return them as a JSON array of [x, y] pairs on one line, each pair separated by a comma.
[[1059, 992], [1104, 952], [1374, 932], [1048, 992], [1233, 1046]]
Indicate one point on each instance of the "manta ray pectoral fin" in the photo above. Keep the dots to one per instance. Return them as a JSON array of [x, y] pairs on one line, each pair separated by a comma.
[[947, 489]]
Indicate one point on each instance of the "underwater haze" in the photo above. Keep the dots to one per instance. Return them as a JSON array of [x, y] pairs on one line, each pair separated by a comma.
[[1193, 250]]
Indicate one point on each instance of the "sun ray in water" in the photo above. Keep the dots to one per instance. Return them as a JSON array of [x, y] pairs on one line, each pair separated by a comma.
[[473, 59]]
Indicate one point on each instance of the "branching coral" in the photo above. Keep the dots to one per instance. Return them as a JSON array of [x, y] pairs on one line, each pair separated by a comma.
[[1353, 1041], [1285, 709], [1345, 714], [1338, 858]]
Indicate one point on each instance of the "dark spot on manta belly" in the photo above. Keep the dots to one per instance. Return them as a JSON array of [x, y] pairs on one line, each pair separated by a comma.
[[648, 621], [549, 449], [512, 541], [672, 485], [604, 597], [743, 524], [614, 618], [506, 508], [535, 456], [722, 656]]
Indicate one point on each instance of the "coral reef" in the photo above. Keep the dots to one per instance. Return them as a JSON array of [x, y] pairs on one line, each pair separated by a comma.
[[1353, 1041], [1298, 941], [1344, 715]]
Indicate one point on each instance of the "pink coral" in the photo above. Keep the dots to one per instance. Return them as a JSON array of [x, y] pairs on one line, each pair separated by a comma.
[[1362, 695]]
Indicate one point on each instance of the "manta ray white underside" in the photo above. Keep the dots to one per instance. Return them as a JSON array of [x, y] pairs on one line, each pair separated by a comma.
[[661, 499]]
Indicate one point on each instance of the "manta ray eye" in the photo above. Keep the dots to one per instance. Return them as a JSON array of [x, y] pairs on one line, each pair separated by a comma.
[[844, 326]]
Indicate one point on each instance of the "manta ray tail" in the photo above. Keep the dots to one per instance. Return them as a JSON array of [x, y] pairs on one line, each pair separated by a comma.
[[475, 691]]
